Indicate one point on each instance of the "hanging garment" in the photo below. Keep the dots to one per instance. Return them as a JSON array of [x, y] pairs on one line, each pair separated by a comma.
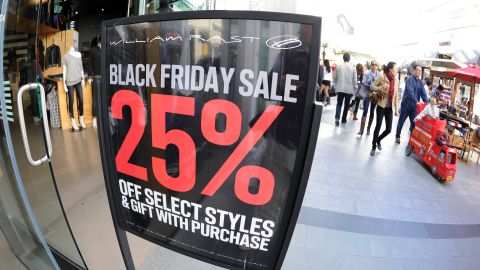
[[12, 59], [41, 55], [27, 72], [44, 13], [95, 59], [57, 8], [54, 22], [52, 106], [53, 56]]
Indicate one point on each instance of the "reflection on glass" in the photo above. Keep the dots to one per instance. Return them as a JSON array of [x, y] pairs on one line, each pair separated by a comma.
[[15, 222], [25, 65], [157, 6]]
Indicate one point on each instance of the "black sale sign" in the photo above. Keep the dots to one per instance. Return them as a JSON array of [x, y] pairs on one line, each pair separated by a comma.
[[205, 123]]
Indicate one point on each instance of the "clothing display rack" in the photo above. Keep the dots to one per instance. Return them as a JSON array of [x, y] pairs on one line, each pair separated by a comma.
[[64, 40]]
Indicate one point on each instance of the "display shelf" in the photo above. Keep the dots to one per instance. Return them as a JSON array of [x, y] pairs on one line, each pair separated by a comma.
[[26, 25]]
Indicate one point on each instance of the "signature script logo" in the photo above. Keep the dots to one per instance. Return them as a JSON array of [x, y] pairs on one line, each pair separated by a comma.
[[278, 42], [283, 42]]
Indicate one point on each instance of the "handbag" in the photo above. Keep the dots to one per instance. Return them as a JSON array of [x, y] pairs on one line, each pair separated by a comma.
[[376, 96], [362, 91], [332, 90]]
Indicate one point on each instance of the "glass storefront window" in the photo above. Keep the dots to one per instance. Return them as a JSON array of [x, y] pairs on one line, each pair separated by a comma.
[[157, 6]]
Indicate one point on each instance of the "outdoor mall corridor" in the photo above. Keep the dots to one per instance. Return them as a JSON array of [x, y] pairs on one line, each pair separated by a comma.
[[397, 217]]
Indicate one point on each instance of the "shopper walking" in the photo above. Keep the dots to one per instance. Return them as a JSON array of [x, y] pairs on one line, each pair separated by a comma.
[[386, 85], [356, 101], [327, 80], [368, 79], [414, 90], [345, 82]]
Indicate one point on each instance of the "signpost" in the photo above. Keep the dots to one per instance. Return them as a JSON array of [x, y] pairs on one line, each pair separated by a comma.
[[207, 131]]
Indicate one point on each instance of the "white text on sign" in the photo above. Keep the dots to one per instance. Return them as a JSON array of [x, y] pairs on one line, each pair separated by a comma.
[[197, 78]]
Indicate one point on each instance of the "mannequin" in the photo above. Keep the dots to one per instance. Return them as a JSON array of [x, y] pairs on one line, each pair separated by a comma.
[[95, 67], [73, 78]]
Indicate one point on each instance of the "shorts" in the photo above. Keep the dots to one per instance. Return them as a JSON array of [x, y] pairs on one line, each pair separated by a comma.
[[326, 83]]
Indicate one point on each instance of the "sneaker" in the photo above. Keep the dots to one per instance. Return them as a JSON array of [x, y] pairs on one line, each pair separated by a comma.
[[397, 140], [379, 146], [337, 123], [344, 121], [372, 153]]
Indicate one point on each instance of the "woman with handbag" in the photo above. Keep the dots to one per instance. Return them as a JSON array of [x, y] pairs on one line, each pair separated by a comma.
[[368, 79], [356, 101], [384, 94]]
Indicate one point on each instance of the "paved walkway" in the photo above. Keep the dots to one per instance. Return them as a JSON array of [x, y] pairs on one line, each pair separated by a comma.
[[346, 179], [359, 212], [382, 212]]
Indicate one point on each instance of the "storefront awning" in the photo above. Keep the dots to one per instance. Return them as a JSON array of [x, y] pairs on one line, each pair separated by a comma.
[[439, 64]]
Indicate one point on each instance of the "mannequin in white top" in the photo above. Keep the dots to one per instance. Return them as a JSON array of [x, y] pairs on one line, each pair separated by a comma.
[[73, 79]]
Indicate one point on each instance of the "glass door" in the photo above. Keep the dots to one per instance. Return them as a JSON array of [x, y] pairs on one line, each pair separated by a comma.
[[26, 141]]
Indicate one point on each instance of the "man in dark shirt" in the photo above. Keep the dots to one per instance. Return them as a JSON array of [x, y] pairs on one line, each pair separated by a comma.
[[414, 90]]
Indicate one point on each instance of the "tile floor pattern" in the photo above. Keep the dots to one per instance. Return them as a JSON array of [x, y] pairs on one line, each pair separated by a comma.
[[345, 182]]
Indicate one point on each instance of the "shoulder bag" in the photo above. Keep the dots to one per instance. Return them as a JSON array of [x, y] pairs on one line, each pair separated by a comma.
[[362, 91]]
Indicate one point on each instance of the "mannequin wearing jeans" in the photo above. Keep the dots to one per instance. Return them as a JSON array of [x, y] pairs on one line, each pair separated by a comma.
[[73, 78], [79, 90]]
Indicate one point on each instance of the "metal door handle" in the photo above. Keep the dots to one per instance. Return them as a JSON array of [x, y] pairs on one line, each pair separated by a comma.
[[44, 120]]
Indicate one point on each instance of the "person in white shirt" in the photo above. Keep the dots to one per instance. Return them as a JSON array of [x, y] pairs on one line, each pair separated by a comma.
[[345, 83], [430, 110], [428, 87], [327, 80]]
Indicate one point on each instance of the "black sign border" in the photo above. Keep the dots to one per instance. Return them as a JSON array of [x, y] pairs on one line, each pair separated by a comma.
[[308, 134]]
